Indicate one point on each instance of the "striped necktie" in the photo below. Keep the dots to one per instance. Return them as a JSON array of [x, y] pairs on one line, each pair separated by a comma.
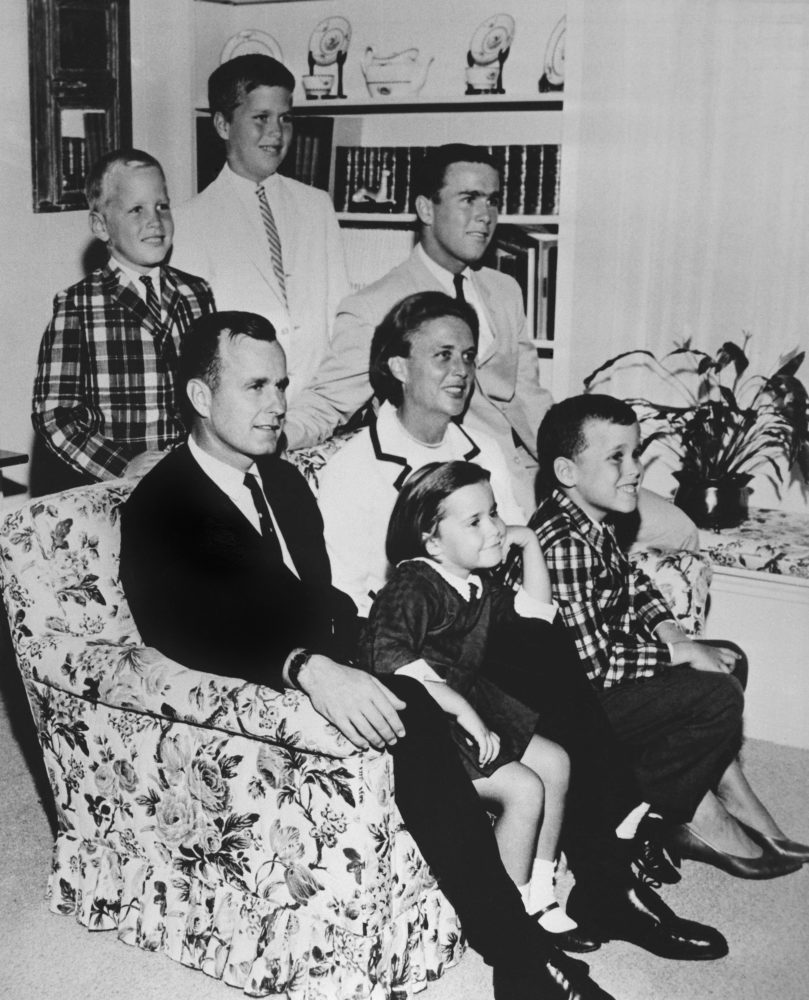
[[273, 239], [152, 303]]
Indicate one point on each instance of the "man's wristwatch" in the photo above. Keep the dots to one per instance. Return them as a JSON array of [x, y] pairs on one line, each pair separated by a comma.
[[296, 664]]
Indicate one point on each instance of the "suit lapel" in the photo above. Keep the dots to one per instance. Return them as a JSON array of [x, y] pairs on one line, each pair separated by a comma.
[[117, 287], [489, 304], [423, 279]]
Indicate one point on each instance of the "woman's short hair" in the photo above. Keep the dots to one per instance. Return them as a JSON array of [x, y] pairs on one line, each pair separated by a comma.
[[420, 505], [394, 334], [231, 82], [563, 431]]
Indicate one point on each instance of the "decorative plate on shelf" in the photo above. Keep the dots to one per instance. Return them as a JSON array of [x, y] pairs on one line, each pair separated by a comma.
[[492, 38], [329, 39], [554, 69], [249, 41]]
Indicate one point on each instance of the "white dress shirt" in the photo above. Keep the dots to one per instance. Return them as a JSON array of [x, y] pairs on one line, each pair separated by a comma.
[[446, 279], [231, 482]]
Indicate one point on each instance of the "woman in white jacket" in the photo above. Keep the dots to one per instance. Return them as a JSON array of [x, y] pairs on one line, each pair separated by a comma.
[[422, 370]]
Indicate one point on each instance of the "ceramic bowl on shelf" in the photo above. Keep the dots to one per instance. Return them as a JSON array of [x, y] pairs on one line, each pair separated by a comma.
[[398, 75], [316, 85]]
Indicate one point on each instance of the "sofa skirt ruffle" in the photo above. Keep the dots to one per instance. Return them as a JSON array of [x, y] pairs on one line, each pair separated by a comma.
[[247, 941]]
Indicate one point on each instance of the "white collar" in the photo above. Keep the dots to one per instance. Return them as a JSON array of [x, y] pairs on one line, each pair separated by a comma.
[[229, 479], [244, 184], [441, 274], [133, 276], [458, 583], [392, 433]]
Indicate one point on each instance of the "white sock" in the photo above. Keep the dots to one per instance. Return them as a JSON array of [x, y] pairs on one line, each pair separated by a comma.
[[628, 826], [542, 895], [525, 893]]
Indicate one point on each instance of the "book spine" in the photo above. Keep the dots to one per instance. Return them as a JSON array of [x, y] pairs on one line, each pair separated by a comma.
[[514, 180]]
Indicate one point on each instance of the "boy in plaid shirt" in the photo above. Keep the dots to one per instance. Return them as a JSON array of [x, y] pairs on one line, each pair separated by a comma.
[[105, 394], [676, 703]]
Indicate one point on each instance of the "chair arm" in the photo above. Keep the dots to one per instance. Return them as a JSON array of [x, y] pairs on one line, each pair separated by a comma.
[[129, 676], [684, 580]]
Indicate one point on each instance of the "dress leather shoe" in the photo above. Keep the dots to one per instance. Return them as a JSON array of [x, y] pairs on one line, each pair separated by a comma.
[[561, 978], [683, 842], [638, 915], [782, 846], [648, 855]]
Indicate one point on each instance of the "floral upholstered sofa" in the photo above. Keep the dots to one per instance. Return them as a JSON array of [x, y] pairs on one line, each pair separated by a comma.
[[222, 823]]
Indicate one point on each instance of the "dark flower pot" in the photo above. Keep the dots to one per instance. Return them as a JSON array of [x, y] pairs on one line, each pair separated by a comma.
[[718, 503]]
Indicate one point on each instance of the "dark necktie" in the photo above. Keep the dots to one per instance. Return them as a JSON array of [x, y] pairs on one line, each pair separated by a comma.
[[268, 532], [152, 303], [457, 280], [272, 238]]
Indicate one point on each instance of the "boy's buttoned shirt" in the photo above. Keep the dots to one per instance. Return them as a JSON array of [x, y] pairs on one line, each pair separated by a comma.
[[611, 608]]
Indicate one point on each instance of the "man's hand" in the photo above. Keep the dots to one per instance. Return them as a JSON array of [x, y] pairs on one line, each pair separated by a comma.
[[140, 464], [358, 704]]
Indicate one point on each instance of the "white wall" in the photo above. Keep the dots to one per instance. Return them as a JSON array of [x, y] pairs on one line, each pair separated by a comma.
[[685, 169], [43, 253]]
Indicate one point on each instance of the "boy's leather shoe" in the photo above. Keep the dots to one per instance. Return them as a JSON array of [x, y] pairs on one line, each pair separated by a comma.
[[638, 915], [648, 855]]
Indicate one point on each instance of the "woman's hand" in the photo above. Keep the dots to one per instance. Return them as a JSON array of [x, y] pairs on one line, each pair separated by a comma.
[[487, 741]]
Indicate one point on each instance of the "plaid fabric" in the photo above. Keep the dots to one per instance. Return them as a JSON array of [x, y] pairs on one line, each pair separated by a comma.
[[611, 608], [105, 388]]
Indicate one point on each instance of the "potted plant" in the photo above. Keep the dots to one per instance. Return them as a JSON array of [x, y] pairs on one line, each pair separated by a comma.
[[729, 426]]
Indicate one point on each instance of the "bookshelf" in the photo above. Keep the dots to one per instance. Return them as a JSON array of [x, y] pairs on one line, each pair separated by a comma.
[[523, 134]]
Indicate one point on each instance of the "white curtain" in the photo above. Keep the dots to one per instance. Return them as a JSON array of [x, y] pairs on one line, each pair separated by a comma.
[[688, 204]]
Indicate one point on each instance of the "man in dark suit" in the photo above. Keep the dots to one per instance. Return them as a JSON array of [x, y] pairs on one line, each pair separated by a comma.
[[224, 567], [223, 575]]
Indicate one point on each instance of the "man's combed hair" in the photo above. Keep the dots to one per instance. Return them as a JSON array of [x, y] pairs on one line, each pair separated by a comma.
[[563, 431], [431, 175], [394, 334], [103, 167], [199, 354], [231, 82], [420, 505]]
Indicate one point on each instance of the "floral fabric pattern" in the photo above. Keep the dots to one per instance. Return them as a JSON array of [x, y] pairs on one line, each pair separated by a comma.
[[223, 823], [769, 541], [684, 580]]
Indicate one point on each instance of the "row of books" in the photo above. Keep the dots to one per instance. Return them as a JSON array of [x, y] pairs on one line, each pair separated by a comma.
[[74, 162], [530, 257], [381, 178], [79, 153]]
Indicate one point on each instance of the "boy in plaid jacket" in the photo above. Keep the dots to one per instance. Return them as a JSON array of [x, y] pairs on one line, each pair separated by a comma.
[[105, 394]]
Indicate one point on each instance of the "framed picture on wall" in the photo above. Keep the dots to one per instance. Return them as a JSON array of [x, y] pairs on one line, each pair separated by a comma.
[[81, 104]]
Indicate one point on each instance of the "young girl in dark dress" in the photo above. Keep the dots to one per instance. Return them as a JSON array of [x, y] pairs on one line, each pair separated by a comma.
[[431, 621]]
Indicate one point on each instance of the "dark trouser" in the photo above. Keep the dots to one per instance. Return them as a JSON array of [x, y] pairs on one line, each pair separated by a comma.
[[683, 728], [442, 811], [537, 663]]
